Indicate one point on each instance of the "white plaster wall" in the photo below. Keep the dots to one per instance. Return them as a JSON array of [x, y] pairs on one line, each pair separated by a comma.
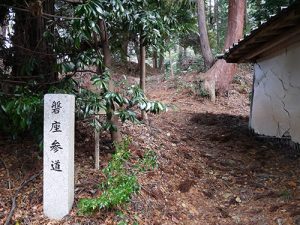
[[276, 100]]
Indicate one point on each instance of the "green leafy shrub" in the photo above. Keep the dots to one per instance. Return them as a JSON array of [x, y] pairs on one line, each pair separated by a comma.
[[119, 186], [122, 103], [21, 113], [202, 92]]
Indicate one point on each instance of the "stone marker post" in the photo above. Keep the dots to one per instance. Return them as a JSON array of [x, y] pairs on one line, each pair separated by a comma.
[[59, 117]]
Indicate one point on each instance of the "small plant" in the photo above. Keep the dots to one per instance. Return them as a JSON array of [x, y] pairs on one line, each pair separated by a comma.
[[286, 194], [121, 179], [238, 79], [250, 96], [148, 162], [120, 185], [243, 89], [202, 91], [181, 85], [124, 220]]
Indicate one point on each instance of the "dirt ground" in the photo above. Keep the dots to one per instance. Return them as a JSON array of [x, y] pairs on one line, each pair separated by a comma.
[[212, 169]]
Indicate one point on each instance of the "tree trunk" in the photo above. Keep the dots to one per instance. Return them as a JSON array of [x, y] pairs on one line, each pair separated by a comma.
[[143, 71], [216, 17], [171, 66], [161, 62], [115, 134], [105, 44], [124, 54], [154, 59], [97, 148], [137, 50], [184, 52], [204, 42], [180, 55], [218, 77], [211, 18], [30, 46], [246, 19], [4, 30], [142, 66]]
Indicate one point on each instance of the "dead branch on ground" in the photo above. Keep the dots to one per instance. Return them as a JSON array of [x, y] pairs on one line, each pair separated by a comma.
[[14, 198]]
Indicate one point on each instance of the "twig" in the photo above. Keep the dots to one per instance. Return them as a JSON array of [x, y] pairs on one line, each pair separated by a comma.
[[16, 82], [34, 51], [13, 82], [43, 14], [86, 71], [62, 17], [7, 171], [14, 203]]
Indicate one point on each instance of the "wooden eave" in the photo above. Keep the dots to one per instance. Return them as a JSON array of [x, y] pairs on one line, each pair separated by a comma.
[[279, 32]]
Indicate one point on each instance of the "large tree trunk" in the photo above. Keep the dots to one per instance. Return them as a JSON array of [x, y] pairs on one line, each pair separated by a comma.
[[115, 134], [143, 71], [204, 42], [30, 46], [218, 77]]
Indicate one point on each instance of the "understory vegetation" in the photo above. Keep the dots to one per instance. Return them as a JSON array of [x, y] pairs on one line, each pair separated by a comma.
[[121, 179], [22, 114]]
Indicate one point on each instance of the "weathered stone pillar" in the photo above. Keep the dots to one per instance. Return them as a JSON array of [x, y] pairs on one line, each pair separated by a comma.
[[59, 117]]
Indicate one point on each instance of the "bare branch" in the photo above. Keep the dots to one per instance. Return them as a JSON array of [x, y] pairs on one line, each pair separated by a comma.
[[45, 15], [14, 199], [86, 71], [75, 1]]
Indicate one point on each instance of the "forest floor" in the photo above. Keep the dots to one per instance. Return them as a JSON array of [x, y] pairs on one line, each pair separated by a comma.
[[211, 169]]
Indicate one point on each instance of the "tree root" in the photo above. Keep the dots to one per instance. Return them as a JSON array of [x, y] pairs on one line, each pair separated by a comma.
[[14, 198]]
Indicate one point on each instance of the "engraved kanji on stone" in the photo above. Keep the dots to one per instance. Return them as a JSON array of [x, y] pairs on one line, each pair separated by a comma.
[[56, 106], [55, 127], [55, 166], [55, 146], [58, 146]]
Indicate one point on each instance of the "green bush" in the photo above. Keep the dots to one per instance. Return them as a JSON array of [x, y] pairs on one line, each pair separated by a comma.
[[148, 162], [120, 183], [21, 114]]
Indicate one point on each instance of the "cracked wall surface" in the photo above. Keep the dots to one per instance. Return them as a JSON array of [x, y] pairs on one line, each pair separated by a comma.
[[276, 100]]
